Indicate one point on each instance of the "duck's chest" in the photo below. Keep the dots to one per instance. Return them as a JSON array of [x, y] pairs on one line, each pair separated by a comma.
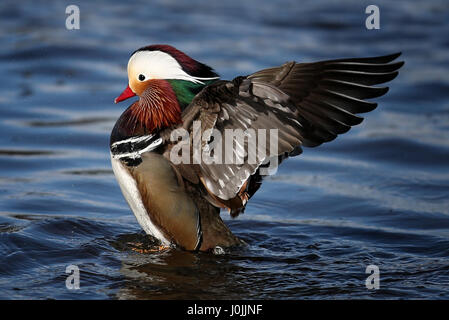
[[133, 196], [126, 155], [155, 192]]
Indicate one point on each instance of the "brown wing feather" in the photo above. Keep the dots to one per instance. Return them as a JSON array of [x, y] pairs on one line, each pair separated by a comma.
[[308, 103]]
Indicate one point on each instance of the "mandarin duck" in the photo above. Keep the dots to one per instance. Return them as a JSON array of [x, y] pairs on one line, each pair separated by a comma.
[[179, 202]]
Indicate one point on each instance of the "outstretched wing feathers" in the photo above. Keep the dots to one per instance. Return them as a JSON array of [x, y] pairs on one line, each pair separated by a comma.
[[227, 178], [308, 103]]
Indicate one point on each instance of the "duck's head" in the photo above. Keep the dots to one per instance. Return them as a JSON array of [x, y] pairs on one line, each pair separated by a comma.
[[162, 65]]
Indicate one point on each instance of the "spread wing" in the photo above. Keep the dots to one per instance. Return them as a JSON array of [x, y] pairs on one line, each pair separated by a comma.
[[307, 104]]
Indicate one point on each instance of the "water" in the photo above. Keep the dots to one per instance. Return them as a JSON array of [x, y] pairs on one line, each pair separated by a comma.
[[377, 195]]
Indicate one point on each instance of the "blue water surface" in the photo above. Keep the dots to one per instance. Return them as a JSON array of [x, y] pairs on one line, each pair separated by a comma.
[[378, 195]]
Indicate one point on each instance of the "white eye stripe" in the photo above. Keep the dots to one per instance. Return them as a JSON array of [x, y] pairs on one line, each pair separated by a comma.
[[159, 65]]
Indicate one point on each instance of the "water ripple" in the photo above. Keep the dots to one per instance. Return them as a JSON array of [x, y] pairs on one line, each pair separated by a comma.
[[376, 195]]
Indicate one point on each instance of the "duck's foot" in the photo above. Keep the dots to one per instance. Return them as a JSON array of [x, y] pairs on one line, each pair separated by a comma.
[[160, 248]]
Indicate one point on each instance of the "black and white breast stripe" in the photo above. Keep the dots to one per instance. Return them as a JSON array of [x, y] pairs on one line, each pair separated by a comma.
[[131, 149]]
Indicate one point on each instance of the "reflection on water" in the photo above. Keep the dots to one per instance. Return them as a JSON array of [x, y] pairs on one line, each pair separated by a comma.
[[377, 195]]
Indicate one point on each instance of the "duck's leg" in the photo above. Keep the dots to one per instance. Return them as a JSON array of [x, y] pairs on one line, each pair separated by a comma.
[[160, 248], [215, 231]]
